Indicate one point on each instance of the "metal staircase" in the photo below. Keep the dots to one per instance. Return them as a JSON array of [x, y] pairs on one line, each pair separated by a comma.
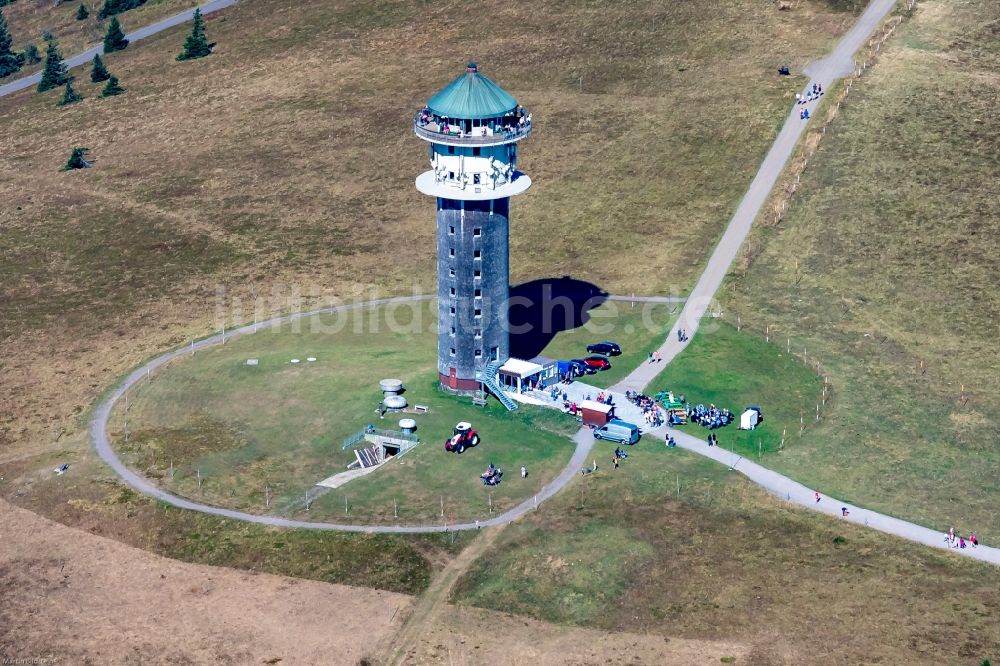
[[488, 378]]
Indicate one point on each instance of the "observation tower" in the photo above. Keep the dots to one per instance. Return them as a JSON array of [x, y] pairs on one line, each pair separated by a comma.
[[473, 127]]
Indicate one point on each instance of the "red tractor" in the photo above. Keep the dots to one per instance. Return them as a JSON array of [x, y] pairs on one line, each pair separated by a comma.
[[465, 437]]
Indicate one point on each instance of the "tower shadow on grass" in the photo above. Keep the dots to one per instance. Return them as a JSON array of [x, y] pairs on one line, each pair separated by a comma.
[[540, 309]]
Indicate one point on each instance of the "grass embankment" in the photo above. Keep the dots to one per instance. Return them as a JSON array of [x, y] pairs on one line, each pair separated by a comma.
[[885, 270], [280, 425], [621, 550], [90, 498], [730, 369]]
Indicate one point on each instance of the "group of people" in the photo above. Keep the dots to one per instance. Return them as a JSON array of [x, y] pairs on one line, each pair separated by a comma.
[[655, 357], [650, 410], [682, 335], [515, 122], [710, 417], [493, 475], [958, 541], [815, 92]]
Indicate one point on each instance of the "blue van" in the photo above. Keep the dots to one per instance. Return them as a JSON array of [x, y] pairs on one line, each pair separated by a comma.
[[615, 430]]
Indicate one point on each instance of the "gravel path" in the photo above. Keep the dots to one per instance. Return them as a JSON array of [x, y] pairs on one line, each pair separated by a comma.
[[83, 58], [824, 72]]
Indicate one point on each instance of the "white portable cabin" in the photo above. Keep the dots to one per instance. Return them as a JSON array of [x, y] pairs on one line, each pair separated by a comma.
[[749, 419]]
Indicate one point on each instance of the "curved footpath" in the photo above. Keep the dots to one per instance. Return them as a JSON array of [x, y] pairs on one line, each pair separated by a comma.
[[824, 72], [135, 36], [102, 444]]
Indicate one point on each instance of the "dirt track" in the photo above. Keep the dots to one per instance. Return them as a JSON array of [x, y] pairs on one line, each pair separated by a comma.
[[76, 598]]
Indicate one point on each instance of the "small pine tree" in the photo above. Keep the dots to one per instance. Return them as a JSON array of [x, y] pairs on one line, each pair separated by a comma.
[[31, 54], [112, 88], [70, 96], [77, 160], [54, 72], [10, 62], [99, 72], [112, 7], [196, 45], [82, 13], [114, 40]]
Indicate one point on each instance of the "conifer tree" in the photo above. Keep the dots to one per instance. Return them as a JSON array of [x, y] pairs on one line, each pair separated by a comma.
[[70, 96], [112, 88], [82, 13], [196, 45], [54, 71], [99, 72], [10, 62], [31, 54], [78, 160], [114, 40]]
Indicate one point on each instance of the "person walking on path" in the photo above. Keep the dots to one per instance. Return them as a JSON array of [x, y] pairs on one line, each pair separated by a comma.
[[974, 540], [817, 495]]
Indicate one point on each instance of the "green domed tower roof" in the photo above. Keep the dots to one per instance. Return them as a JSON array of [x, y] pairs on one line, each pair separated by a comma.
[[472, 96]]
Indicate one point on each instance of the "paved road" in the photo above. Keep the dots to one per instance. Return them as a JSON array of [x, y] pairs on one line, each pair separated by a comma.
[[823, 72], [83, 58], [796, 493]]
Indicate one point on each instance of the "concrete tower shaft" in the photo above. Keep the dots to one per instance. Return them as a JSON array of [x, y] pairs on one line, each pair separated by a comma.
[[473, 127]]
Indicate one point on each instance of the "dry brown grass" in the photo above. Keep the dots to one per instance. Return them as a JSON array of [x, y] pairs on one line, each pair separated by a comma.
[[29, 19], [286, 158]]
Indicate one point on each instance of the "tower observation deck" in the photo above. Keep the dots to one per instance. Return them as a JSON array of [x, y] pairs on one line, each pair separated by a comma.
[[473, 127]]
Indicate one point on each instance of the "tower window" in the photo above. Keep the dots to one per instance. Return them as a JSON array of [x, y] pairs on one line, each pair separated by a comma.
[[479, 333], [452, 351], [477, 231], [475, 274], [477, 151], [451, 150], [476, 254], [451, 272], [453, 291], [479, 312], [451, 310], [451, 230], [479, 293], [453, 330], [479, 353], [451, 175], [451, 252]]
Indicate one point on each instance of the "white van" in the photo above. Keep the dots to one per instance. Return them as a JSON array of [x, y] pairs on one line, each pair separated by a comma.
[[622, 432]]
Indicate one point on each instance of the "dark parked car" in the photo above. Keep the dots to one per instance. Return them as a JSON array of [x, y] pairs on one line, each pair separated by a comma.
[[607, 348], [583, 367], [597, 362]]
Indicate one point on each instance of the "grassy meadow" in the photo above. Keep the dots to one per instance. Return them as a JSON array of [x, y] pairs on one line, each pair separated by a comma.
[[671, 544], [884, 269], [731, 369], [238, 428], [28, 21]]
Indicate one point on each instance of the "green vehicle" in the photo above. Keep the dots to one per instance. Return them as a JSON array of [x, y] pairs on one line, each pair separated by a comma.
[[667, 399]]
